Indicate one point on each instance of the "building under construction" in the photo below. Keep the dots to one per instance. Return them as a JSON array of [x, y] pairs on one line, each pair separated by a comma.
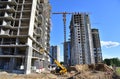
[[81, 39], [96, 46], [67, 53], [24, 29], [55, 53]]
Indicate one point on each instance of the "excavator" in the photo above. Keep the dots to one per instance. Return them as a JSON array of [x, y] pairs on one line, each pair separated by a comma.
[[62, 69]]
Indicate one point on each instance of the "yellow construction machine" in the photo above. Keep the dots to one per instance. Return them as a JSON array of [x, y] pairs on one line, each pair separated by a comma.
[[62, 69]]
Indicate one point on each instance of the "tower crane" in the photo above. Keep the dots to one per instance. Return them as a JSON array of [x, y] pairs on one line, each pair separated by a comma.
[[64, 21]]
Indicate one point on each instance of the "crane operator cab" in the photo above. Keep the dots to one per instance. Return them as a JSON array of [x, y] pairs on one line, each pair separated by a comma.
[[57, 69]]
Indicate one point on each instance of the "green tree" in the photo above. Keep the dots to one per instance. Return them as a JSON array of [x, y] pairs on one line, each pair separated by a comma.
[[112, 61], [107, 61]]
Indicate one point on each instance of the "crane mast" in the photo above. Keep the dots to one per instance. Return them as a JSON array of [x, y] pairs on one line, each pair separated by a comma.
[[64, 21]]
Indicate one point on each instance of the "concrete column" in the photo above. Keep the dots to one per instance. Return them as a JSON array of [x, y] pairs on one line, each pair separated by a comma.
[[32, 18], [28, 60]]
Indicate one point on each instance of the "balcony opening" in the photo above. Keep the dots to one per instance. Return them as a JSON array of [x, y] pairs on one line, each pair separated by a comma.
[[7, 51], [27, 7], [19, 62], [8, 41], [41, 1], [26, 15], [2, 13], [14, 32], [0, 41], [20, 1], [22, 41], [24, 23], [4, 63], [19, 7], [1, 22], [21, 51], [16, 23], [23, 32], [28, 1], [17, 15]]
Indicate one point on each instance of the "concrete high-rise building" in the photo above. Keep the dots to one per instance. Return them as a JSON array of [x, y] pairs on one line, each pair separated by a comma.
[[96, 46], [67, 53], [24, 29], [81, 39], [55, 53]]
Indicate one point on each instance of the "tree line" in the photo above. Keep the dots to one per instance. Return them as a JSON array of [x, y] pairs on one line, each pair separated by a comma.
[[112, 62]]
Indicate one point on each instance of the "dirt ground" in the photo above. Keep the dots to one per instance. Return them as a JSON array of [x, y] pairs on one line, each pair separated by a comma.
[[5, 75], [71, 75], [99, 71]]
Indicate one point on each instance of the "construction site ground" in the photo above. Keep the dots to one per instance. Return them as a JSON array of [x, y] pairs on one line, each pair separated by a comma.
[[74, 72]]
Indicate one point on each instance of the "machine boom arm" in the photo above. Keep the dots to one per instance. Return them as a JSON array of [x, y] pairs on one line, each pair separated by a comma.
[[63, 69]]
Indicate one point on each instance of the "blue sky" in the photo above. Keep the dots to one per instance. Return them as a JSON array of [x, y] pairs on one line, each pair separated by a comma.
[[104, 15]]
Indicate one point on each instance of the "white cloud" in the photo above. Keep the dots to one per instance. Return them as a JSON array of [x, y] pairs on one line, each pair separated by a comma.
[[107, 56], [109, 44]]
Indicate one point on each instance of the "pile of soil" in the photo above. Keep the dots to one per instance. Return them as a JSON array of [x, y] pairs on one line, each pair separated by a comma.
[[91, 75], [78, 68], [85, 67], [100, 67], [93, 71]]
